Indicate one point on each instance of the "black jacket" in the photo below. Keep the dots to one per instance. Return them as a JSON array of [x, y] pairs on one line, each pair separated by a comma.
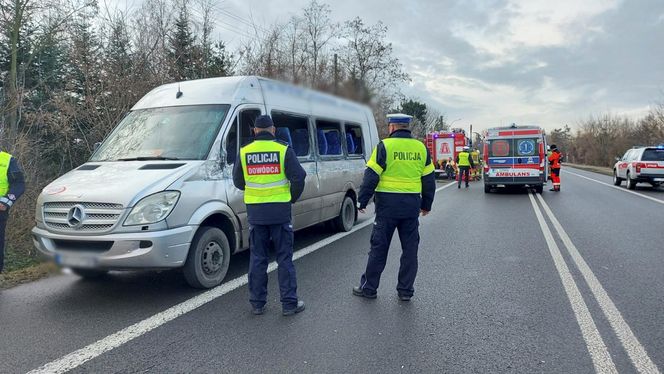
[[273, 213], [396, 205]]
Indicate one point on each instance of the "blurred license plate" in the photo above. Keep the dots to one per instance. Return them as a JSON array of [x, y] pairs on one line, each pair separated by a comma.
[[76, 261]]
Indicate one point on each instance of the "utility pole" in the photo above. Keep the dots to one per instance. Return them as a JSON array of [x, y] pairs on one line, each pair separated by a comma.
[[470, 143]]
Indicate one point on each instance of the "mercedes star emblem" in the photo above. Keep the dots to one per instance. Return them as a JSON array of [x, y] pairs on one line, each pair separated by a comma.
[[76, 216]]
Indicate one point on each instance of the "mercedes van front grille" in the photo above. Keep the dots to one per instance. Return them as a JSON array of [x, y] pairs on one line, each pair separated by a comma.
[[86, 217]]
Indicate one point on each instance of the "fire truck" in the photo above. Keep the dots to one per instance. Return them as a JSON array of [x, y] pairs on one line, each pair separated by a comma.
[[443, 146]]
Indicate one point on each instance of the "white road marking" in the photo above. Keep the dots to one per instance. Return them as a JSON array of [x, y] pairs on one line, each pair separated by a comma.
[[634, 349], [125, 335], [617, 187], [599, 354], [444, 187], [96, 349]]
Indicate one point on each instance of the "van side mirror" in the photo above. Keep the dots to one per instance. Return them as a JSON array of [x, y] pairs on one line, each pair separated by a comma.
[[618, 158], [96, 146]]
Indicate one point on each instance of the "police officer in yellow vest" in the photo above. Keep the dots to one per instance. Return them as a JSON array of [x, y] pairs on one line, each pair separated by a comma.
[[465, 163], [272, 179], [401, 175], [12, 186]]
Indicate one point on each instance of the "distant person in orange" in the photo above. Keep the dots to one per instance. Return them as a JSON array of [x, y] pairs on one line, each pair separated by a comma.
[[554, 162]]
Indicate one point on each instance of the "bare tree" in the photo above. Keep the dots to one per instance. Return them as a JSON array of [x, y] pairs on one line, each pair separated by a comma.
[[319, 30], [369, 61]]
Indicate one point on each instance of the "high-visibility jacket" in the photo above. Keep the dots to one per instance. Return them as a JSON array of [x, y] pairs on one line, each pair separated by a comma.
[[464, 159], [405, 166], [5, 158], [476, 157], [554, 160], [264, 172]]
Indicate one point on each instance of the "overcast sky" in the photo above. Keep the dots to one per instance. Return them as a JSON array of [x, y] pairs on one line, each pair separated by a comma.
[[493, 62]]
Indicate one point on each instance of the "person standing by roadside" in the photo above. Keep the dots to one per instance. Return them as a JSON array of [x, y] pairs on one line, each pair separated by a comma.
[[272, 179], [12, 186], [554, 163], [401, 175], [464, 163]]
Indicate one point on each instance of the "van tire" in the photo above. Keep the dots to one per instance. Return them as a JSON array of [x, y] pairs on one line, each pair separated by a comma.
[[631, 183], [208, 258], [539, 188], [487, 188], [89, 273], [347, 216]]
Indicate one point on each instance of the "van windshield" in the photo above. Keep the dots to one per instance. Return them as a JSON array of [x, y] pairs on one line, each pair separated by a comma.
[[170, 133]]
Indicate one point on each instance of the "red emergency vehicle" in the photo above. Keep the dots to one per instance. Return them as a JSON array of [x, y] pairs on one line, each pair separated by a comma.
[[445, 145]]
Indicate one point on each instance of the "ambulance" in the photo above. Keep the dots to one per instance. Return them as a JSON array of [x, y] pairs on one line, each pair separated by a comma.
[[515, 156]]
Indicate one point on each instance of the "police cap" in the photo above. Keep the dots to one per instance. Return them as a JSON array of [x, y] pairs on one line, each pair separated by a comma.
[[399, 118], [264, 122]]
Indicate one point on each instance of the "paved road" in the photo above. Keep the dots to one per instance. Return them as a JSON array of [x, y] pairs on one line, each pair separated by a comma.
[[501, 288]]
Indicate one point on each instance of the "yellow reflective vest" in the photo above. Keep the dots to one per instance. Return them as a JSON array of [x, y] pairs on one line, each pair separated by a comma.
[[264, 172], [464, 159], [5, 158], [405, 165]]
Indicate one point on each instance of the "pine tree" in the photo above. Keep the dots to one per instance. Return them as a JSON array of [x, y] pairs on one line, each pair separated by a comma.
[[183, 64]]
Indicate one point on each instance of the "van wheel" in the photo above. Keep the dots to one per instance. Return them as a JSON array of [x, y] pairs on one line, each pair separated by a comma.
[[208, 258], [616, 179], [487, 188], [89, 273], [539, 188], [347, 216], [631, 183]]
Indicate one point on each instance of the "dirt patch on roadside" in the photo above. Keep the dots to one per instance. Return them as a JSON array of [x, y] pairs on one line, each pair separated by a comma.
[[28, 274]]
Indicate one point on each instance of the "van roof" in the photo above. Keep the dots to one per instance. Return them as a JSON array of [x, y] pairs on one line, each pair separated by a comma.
[[513, 131], [252, 90], [515, 127]]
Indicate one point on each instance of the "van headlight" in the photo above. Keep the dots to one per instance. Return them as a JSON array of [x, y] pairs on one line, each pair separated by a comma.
[[153, 208]]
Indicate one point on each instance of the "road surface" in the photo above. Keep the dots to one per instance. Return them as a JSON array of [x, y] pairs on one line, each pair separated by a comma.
[[571, 282]]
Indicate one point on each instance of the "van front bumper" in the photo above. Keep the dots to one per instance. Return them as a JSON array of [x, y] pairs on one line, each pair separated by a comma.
[[144, 250]]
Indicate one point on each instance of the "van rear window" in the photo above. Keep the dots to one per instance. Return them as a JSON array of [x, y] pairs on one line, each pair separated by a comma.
[[526, 147], [653, 155], [500, 148]]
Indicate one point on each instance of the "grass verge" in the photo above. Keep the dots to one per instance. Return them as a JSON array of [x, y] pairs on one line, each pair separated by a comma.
[[27, 274], [595, 169]]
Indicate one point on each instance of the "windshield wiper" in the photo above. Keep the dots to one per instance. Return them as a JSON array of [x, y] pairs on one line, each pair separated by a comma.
[[147, 158]]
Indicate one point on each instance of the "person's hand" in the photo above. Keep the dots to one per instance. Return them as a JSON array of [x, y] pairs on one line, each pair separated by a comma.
[[424, 212], [362, 210]]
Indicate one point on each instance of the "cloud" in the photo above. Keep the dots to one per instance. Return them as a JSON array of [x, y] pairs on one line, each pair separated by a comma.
[[500, 61]]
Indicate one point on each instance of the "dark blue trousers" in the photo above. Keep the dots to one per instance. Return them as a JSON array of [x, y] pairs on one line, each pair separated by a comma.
[[261, 239], [381, 237], [464, 170], [3, 225]]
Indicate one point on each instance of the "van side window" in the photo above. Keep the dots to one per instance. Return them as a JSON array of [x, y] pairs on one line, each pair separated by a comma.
[[246, 120], [294, 130], [329, 138], [354, 139], [231, 144]]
